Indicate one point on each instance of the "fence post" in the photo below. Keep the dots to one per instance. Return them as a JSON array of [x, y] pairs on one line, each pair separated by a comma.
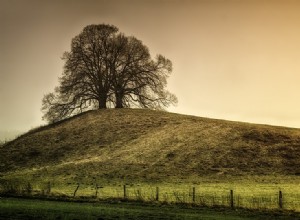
[[194, 192], [97, 190], [280, 198], [74, 194], [139, 194], [231, 199], [157, 194], [124, 189]]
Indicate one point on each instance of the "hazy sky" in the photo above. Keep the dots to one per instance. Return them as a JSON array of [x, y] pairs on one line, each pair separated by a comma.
[[232, 59]]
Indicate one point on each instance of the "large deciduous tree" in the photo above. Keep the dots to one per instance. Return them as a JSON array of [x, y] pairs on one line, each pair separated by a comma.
[[106, 68]]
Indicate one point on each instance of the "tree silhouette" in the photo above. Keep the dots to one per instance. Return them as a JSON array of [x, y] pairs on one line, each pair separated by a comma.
[[105, 68]]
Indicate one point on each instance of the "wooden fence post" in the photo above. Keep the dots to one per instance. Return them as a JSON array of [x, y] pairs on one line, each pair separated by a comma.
[[97, 187], [280, 200], [74, 194], [231, 199], [124, 189], [194, 192], [157, 194]]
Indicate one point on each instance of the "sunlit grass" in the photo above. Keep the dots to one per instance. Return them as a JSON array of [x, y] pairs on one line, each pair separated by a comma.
[[145, 149], [247, 194]]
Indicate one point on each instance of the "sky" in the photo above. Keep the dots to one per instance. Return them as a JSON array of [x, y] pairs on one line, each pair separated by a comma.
[[232, 59]]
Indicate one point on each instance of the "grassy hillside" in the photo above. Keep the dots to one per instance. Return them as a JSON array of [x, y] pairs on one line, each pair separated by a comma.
[[148, 145]]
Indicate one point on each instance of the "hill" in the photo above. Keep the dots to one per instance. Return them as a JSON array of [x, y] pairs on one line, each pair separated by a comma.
[[147, 145]]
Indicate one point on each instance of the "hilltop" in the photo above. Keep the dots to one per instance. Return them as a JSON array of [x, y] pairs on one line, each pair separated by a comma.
[[147, 145]]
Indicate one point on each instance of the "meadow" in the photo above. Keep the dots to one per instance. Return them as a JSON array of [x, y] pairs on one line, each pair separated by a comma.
[[254, 193], [156, 157]]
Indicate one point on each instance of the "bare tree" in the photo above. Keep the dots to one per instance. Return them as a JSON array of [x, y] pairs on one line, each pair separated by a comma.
[[106, 68], [85, 83], [137, 79]]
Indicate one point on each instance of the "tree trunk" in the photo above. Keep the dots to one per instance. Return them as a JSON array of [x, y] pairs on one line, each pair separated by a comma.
[[102, 101], [119, 100]]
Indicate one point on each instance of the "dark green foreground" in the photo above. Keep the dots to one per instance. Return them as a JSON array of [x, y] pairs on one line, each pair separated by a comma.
[[12, 208]]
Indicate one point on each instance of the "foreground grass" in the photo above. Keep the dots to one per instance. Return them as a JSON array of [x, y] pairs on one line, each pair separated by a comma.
[[11, 208], [147, 149], [252, 192]]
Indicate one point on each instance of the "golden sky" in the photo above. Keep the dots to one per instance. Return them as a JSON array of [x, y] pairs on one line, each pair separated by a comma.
[[232, 59]]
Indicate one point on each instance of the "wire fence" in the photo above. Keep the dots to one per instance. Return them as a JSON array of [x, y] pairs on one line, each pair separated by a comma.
[[196, 195]]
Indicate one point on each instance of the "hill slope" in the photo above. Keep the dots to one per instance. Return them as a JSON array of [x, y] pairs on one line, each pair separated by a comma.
[[151, 145]]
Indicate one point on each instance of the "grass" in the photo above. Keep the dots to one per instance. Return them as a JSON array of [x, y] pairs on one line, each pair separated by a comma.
[[247, 194], [151, 148], [38, 209], [124, 143]]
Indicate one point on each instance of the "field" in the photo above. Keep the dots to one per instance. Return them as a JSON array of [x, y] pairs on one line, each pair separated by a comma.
[[11, 208], [151, 146], [157, 157], [255, 193]]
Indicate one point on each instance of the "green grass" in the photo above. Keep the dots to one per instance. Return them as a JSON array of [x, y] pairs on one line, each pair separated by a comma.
[[247, 194], [36, 209]]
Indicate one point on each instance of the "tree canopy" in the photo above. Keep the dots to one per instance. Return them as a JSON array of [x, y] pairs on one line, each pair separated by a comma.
[[105, 68]]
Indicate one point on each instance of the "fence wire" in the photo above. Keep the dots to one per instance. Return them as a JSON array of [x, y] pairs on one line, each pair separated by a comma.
[[191, 195]]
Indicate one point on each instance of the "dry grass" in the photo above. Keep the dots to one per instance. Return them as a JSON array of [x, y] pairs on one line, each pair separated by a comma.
[[131, 145]]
